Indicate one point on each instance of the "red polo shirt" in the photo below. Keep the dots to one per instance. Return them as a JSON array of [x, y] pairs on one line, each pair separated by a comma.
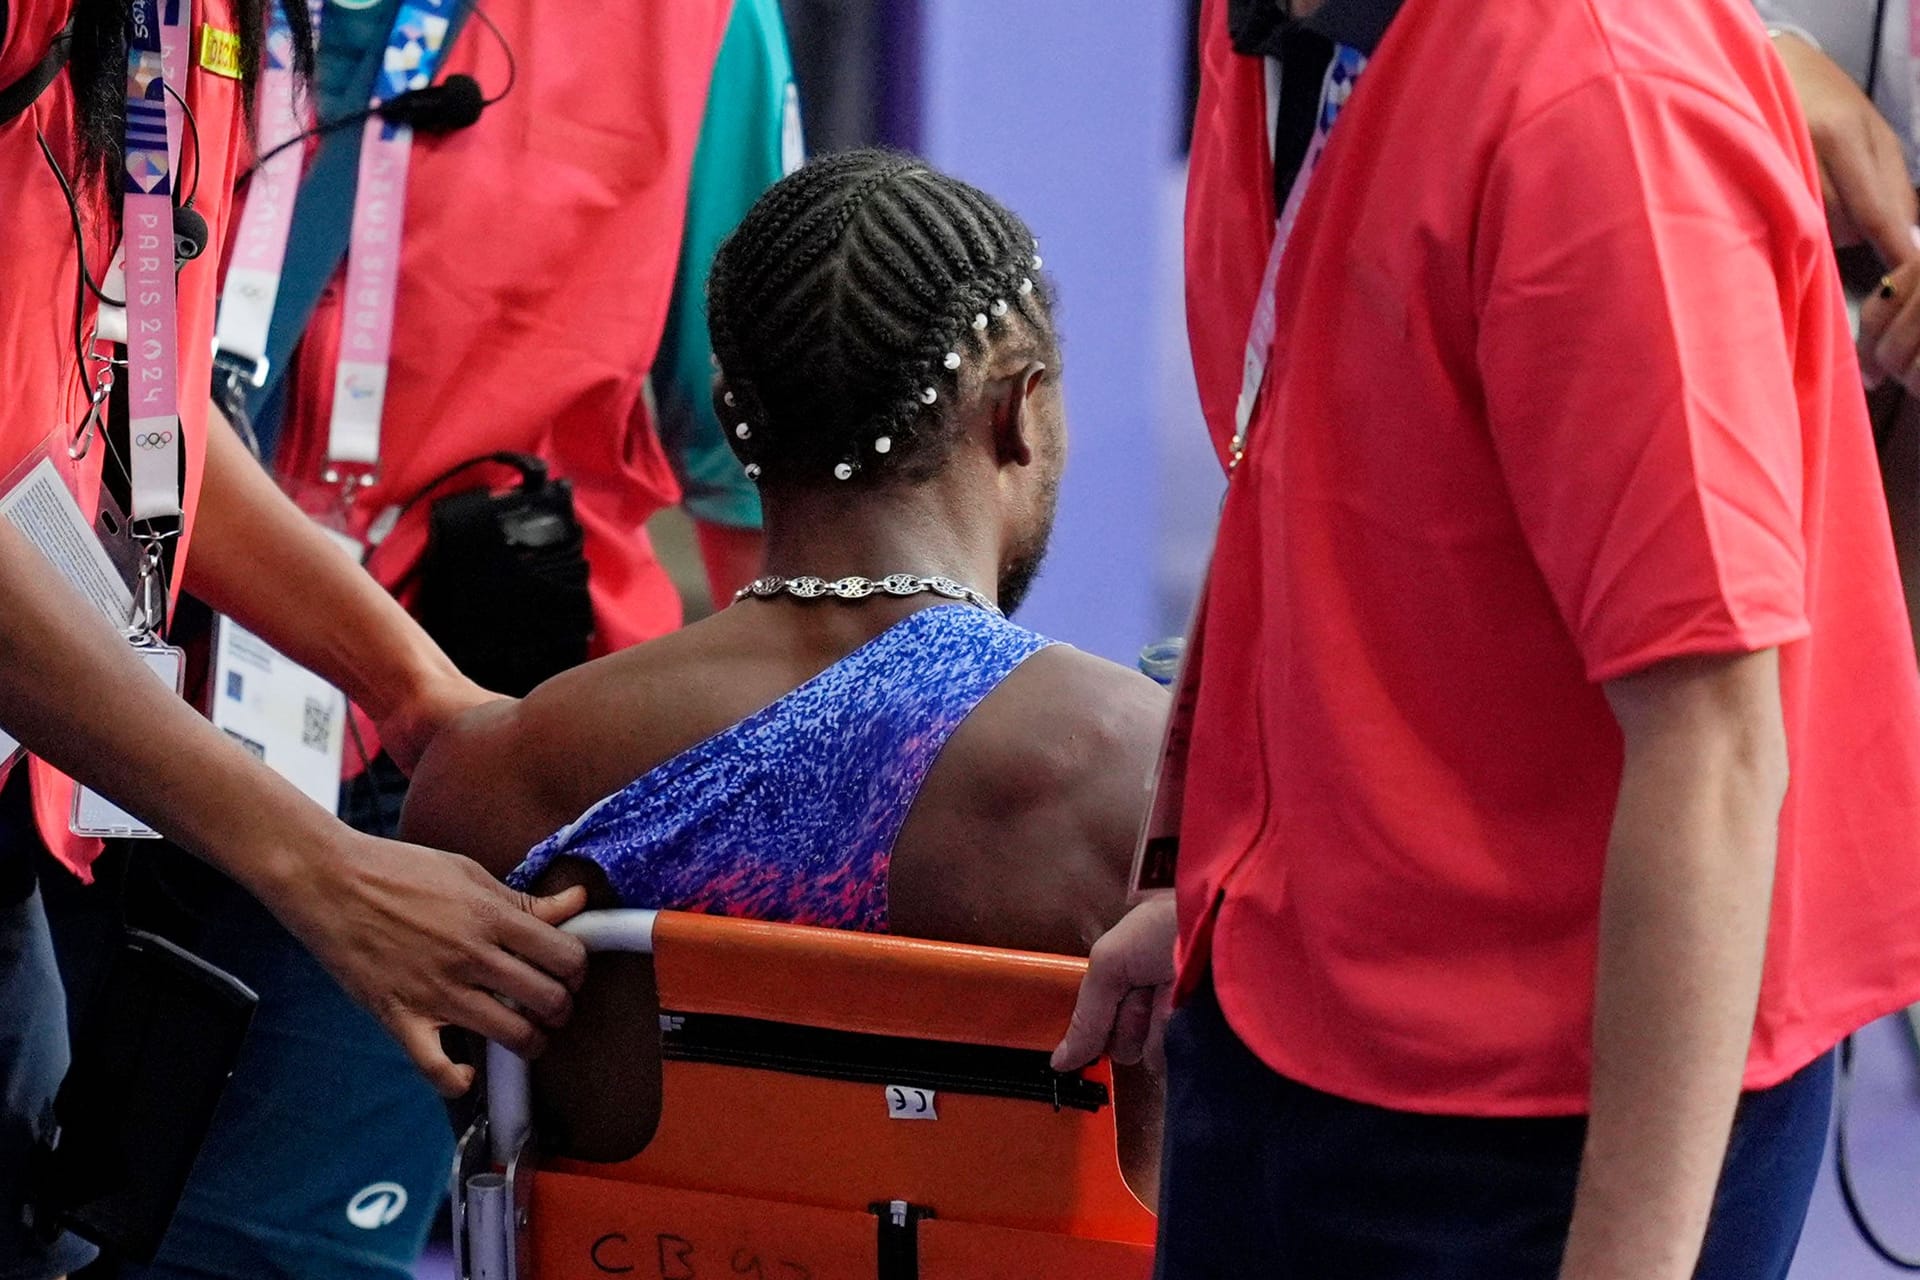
[[42, 393], [1562, 387]]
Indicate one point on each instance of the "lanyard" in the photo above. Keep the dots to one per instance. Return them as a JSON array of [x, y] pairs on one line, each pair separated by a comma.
[[1156, 856], [146, 228], [110, 321], [260, 242], [1341, 76], [413, 52]]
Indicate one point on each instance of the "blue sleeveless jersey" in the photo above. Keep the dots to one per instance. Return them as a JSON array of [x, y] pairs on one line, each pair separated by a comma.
[[791, 814]]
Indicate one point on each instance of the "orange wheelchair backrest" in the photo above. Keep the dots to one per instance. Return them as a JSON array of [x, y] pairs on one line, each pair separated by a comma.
[[834, 1106]]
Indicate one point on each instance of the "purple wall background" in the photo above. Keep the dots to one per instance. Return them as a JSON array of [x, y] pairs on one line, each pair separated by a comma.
[[1069, 111]]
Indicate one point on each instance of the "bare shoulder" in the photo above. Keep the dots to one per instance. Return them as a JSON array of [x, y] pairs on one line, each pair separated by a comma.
[[470, 758], [1023, 834], [1067, 715], [506, 775]]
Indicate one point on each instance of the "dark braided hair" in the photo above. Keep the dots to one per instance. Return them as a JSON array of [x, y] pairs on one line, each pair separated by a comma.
[[848, 308]]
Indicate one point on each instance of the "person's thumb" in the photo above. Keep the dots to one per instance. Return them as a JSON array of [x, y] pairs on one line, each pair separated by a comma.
[[421, 1040], [1094, 1011], [560, 907]]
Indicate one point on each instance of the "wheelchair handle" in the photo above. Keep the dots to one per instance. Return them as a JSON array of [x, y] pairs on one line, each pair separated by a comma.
[[509, 1094]]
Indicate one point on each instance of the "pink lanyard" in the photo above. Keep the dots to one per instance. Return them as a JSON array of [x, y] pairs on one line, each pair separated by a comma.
[[373, 255], [146, 228], [260, 243], [1341, 76], [110, 321]]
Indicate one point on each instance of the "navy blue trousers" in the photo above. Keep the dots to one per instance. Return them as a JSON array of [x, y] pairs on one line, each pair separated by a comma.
[[1262, 1176]]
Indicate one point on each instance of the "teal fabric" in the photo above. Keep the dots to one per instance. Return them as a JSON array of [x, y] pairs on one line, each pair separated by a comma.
[[748, 142]]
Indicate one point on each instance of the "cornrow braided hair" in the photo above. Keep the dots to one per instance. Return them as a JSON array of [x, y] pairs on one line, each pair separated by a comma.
[[848, 307]]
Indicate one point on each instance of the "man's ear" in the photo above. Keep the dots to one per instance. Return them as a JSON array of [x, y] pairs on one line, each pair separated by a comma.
[[1015, 420]]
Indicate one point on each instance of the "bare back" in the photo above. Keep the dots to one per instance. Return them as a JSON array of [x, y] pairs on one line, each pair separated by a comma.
[[1020, 835]]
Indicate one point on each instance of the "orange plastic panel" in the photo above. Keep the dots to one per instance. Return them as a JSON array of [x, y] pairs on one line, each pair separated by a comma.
[[589, 1229], [864, 982], [771, 1176], [830, 1143], [962, 1251]]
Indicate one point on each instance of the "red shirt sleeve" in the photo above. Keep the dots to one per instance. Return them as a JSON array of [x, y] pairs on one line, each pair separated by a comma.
[[1640, 246]]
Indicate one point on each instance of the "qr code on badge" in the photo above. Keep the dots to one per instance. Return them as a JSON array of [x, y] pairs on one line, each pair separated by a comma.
[[316, 726]]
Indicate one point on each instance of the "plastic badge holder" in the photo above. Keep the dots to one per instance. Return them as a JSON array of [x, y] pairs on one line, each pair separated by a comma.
[[96, 562], [93, 814]]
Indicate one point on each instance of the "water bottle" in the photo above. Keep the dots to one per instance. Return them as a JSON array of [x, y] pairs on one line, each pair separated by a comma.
[[1160, 661]]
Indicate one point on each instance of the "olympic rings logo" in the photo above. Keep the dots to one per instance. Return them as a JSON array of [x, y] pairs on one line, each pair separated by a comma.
[[153, 439]]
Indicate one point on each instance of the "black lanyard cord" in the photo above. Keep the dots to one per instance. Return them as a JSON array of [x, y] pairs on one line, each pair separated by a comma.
[[1877, 47]]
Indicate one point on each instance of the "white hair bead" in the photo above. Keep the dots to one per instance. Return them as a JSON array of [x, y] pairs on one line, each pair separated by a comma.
[[1026, 285], [743, 431], [999, 307], [844, 471], [1038, 262], [953, 360], [753, 471], [929, 395], [980, 320], [883, 445], [728, 398]]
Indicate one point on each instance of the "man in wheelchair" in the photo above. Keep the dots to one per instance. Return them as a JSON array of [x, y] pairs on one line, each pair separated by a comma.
[[863, 741]]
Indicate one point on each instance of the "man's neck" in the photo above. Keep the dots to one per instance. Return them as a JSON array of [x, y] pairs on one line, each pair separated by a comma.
[[1304, 8], [904, 530]]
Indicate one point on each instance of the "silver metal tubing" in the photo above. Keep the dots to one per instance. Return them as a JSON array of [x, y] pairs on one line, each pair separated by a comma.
[[489, 1229], [508, 1098]]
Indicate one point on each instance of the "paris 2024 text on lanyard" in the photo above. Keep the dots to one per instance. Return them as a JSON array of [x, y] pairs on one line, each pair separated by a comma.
[[156, 72]]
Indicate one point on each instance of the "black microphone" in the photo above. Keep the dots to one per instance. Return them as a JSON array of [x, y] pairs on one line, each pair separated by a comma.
[[454, 103], [190, 234]]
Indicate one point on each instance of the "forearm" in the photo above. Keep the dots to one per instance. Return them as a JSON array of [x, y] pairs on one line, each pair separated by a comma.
[[1683, 931], [74, 694], [261, 561]]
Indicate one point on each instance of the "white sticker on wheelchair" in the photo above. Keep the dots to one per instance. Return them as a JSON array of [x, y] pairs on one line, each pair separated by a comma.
[[911, 1104]]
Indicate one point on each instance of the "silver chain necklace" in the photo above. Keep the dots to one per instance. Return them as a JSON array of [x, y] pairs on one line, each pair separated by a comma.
[[857, 588]]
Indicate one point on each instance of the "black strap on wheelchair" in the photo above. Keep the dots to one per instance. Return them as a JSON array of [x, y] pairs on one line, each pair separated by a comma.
[[986, 1071], [24, 92], [899, 1244]]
